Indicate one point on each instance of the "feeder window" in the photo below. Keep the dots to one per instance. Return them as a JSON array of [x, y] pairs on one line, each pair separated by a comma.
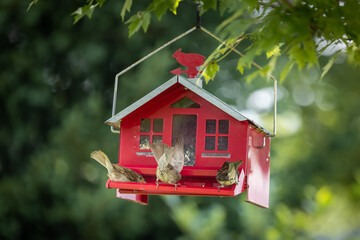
[[209, 143], [150, 132], [216, 134], [223, 126], [223, 143], [158, 125], [185, 126], [145, 125], [211, 126], [185, 103]]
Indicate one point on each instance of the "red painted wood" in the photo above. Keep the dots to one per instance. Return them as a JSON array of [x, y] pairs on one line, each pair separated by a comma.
[[258, 169], [167, 189], [199, 179]]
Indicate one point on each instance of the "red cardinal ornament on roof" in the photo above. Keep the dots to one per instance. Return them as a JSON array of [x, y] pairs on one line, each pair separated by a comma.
[[189, 60]]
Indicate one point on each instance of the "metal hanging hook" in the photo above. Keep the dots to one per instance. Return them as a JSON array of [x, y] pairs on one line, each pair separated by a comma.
[[198, 17]]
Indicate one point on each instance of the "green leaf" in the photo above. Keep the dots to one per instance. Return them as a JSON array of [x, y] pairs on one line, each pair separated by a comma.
[[269, 68], [86, 10], [173, 5], [126, 7], [31, 4], [135, 23], [159, 7], [100, 2], [329, 64], [210, 71], [246, 60], [241, 69], [210, 4], [146, 21], [274, 52]]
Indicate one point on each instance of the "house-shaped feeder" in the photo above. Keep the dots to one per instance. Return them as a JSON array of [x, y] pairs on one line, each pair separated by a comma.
[[213, 131]]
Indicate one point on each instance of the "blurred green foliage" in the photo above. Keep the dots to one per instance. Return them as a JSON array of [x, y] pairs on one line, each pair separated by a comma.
[[56, 85]]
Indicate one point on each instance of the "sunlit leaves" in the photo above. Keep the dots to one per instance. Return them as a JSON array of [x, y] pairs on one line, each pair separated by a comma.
[[210, 66], [210, 71], [274, 52], [142, 19], [288, 29]]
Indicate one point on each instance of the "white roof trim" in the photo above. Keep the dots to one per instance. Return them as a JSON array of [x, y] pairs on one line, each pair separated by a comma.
[[212, 99], [117, 117], [192, 87]]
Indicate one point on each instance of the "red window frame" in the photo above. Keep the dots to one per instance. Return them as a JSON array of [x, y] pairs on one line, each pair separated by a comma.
[[151, 133], [217, 134]]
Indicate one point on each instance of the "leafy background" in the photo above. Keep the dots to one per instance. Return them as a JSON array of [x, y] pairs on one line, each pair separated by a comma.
[[56, 84]]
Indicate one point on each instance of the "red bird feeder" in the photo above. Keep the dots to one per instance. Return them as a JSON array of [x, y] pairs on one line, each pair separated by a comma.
[[213, 131]]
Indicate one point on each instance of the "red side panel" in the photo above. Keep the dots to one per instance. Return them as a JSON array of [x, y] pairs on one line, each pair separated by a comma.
[[258, 169], [142, 199]]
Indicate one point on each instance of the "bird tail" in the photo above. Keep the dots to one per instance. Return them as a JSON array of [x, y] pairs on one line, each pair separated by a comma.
[[237, 164], [101, 158]]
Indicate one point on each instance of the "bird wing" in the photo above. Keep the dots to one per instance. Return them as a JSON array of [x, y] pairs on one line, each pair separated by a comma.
[[235, 165], [177, 159], [131, 175], [223, 172], [163, 161], [167, 157], [158, 149]]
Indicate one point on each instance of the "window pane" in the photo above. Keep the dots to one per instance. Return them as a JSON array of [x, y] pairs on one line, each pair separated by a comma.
[[223, 143], [144, 142], [185, 103], [145, 125], [157, 138], [185, 126], [158, 125], [209, 143], [224, 126], [210, 126]]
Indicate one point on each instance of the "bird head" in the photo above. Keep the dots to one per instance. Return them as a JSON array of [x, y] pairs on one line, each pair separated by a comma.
[[177, 53], [141, 179]]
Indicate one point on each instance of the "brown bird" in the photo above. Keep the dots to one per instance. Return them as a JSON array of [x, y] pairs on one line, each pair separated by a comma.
[[170, 161], [117, 172], [228, 174]]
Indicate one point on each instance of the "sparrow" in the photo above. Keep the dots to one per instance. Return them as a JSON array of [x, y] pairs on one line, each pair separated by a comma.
[[116, 172], [170, 161], [228, 174]]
